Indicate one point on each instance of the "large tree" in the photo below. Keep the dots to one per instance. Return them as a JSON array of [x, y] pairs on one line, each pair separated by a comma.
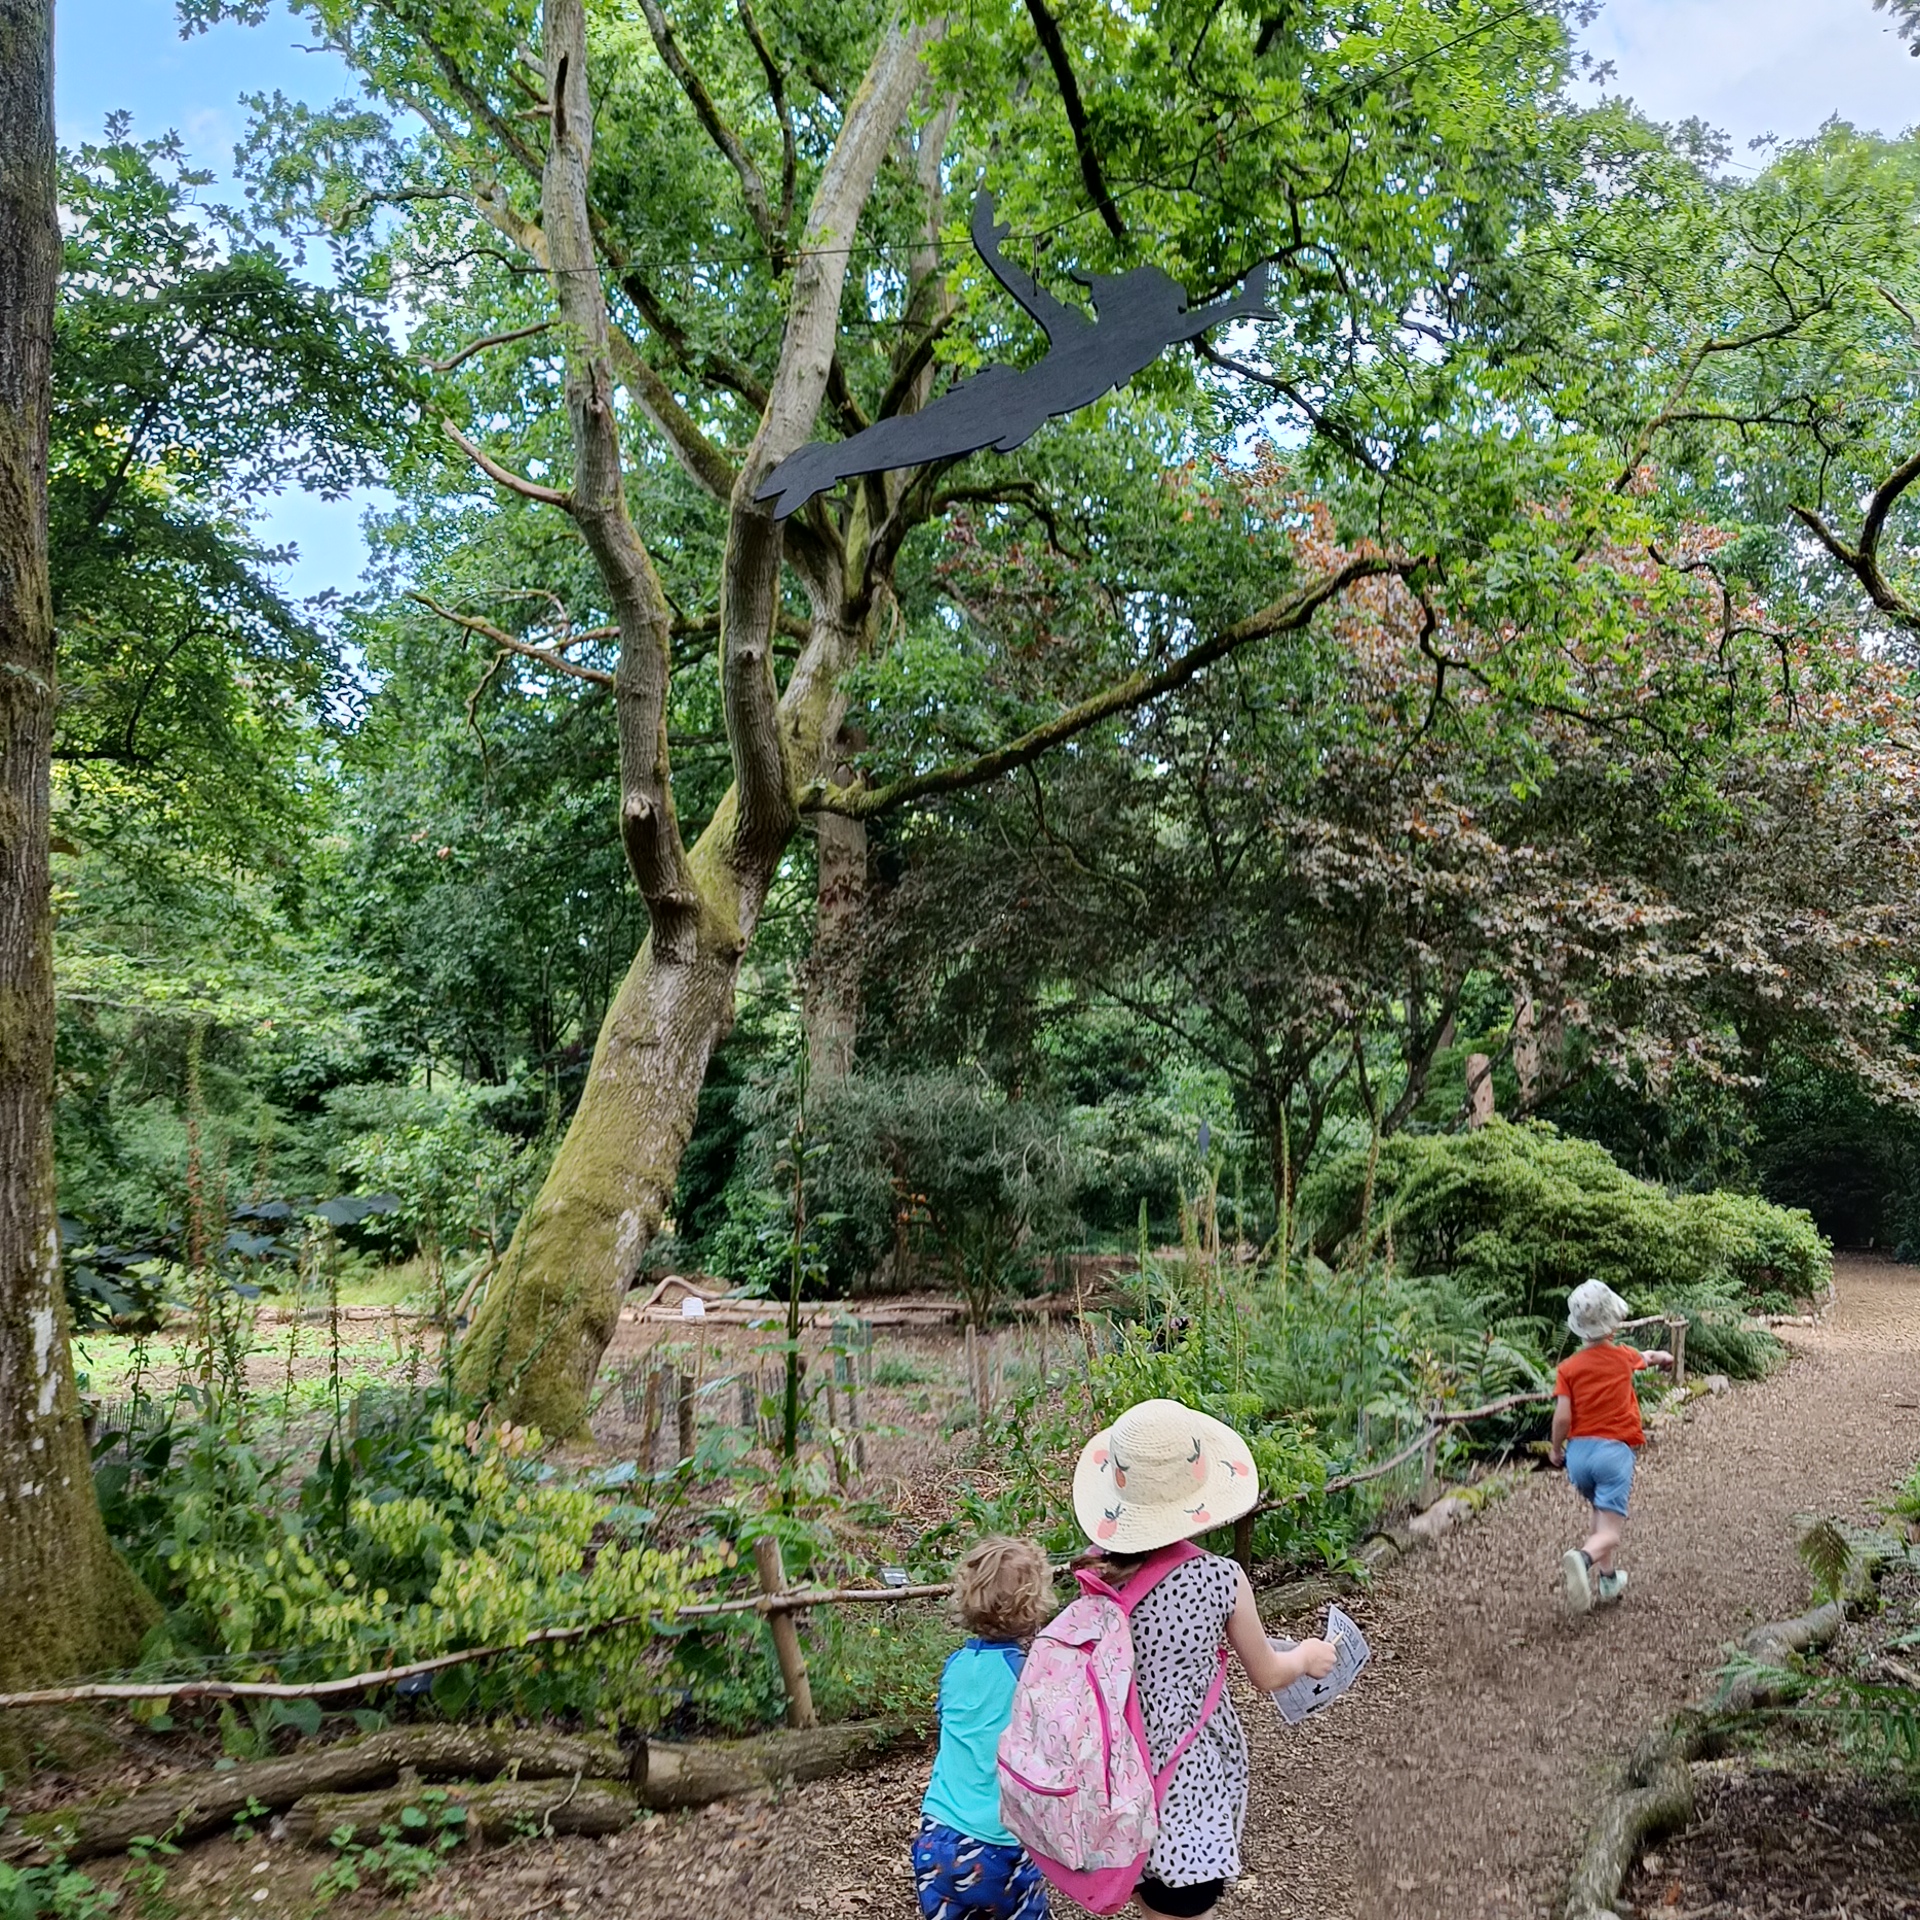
[[1315, 869], [713, 234], [68, 1605]]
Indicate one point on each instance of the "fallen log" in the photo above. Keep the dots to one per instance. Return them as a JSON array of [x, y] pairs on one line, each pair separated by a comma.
[[690, 1776], [186, 1806], [497, 1810], [1771, 1648]]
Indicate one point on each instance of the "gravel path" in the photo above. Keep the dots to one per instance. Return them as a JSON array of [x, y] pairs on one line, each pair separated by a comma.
[[1454, 1783]]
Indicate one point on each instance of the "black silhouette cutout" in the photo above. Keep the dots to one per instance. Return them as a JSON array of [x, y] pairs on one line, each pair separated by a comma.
[[1139, 315]]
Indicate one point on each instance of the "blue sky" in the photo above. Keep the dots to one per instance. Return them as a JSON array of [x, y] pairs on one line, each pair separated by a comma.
[[1751, 67]]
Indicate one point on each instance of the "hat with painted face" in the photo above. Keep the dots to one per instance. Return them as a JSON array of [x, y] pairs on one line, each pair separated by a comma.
[[1161, 1473]]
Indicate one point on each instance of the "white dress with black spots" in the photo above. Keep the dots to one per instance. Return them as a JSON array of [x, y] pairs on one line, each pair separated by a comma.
[[1178, 1631]]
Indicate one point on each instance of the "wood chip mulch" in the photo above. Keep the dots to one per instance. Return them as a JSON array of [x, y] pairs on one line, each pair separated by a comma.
[[1765, 1844]]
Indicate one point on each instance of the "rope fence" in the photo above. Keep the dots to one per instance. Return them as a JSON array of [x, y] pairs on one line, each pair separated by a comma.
[[776, 1602]]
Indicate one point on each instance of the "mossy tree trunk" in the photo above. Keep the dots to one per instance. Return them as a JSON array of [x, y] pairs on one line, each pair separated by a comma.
[[548, 1315], [67, 1603]]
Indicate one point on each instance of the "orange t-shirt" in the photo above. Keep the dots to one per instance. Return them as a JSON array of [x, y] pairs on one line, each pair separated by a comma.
[[1599, 1382]]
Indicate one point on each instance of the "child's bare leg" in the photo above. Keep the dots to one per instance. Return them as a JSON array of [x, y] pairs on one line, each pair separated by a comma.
[[1604, 1541]]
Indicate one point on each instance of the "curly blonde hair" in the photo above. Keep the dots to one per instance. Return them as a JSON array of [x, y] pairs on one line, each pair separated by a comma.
[[1003, 1588]]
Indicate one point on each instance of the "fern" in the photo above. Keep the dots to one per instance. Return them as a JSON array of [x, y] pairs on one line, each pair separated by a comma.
[[1828, 1556], [1878, 1722]]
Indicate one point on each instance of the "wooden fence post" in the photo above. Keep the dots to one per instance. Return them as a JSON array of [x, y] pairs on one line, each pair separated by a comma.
[[687, 1410], [833, 1424], [858, 1439], [650, 1424], [1677, 1343], [1430, 1469], [1243, 1543], [786, 1636]]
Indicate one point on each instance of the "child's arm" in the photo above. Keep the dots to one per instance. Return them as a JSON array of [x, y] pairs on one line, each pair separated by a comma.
[[1267, 1667], [1658, 1357], [1562, 1427]]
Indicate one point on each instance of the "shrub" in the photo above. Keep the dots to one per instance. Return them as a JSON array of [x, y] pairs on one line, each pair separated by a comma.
[[1522, 1215], [939, 1172], [429, 1537]]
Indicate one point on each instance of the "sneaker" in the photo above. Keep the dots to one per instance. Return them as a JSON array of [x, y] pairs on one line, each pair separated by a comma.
[[1577, 1571], [1609, 1587]]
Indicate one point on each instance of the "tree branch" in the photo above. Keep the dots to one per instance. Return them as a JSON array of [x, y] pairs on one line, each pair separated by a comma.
[[649, 829], [529, 489], [509, 643], [706, 465], [752, 186], [777, 93], [467, 352], [1055, 48], [750, 584], [715, 368], [1135, 690], [1863, 561]]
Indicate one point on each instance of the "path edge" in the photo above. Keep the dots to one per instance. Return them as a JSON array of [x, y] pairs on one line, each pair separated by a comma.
[[1655, 1795]]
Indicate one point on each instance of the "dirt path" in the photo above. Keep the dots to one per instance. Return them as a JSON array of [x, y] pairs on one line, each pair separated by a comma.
[[1454, 1783]]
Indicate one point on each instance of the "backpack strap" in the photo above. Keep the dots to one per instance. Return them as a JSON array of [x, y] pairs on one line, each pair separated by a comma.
[[1143, 1580], [1187, 1739], [1151, 1571]]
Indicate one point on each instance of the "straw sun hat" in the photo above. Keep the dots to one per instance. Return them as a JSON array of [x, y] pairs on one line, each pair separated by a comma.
[[1161, 1473]]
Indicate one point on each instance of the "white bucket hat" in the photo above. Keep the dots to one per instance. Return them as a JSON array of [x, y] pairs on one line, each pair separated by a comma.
[[1594, 1310], [1161, 1473]]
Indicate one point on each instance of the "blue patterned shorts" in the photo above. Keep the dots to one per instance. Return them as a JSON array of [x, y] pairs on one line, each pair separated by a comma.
[[956, 1876]]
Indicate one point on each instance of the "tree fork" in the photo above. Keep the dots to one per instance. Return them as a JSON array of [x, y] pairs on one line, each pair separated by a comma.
[[553, 1306]]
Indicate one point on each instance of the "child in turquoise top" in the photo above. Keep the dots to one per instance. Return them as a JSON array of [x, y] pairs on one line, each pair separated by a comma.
[[964, 1861]]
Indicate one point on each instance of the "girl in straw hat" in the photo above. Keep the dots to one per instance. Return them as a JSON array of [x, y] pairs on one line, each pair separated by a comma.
[[1159, 1475]]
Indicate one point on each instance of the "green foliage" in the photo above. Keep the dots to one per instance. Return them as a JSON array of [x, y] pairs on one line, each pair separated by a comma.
[[52, 1893], [194, 375], [937, 1172], [1523, 1215], [425, 1535], [1721, 1336], [1906, 1503], [409, 1851], [1828, 1557]]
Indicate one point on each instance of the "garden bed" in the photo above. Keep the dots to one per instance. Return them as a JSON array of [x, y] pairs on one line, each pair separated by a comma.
[[1766, 1842]]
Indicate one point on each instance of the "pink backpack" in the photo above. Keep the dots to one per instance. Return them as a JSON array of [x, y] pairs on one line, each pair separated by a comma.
[[1077, 1787]]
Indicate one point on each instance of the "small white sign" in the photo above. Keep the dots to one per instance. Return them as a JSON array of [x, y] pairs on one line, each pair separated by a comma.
[[692, 1307], [1307, 1695]]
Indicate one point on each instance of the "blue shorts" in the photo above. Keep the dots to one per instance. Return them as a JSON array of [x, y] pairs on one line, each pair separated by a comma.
[[956, 1876], [1601, 1471]]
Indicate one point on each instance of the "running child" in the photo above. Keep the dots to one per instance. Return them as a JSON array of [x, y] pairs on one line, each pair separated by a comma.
[[1596, 1435], [965, 1863], [1159, 1475]]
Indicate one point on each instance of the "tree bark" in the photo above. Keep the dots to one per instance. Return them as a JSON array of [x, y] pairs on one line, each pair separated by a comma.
[[68, 1605], [500, 1810], [190, 1805], [551, 1310], [692, 1775], [840, 894]]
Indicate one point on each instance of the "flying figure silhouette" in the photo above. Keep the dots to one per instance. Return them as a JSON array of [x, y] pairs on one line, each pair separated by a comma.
[[1138, 316]]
